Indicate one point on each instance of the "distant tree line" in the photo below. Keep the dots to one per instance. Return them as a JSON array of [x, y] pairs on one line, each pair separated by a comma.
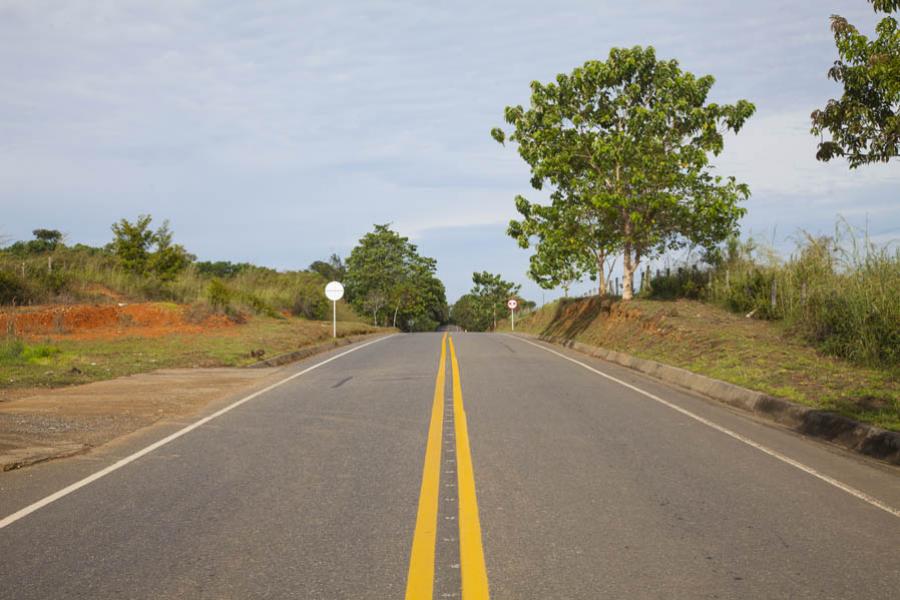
[[486, 302]]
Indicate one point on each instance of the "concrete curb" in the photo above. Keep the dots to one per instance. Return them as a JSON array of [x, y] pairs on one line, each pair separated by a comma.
[[836, 429], [307, 351]]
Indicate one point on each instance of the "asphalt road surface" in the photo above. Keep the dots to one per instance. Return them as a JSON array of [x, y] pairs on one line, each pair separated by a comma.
[[486, 466]]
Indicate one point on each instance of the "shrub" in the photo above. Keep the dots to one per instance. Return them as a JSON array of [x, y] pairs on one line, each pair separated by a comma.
[[13, 289], [218, 295]]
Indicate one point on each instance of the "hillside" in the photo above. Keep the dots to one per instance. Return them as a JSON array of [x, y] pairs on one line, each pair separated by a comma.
[[760, 355]]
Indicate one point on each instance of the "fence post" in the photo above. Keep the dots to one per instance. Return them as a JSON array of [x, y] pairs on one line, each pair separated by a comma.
[[774, 292]]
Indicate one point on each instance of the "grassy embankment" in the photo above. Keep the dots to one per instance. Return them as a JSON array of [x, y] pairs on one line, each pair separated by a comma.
[[59, 360], [762, 355]]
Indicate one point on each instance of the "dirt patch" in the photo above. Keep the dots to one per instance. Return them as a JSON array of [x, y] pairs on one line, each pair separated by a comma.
[[105, 321], [56, 423]]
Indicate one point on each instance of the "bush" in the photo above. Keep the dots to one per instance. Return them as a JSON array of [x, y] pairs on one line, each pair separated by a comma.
[[218, 295], [13, 290], [309, 303], [684, 283]]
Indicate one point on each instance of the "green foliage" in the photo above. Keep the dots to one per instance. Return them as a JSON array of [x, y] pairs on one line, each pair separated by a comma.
[[683, 283], [310, 303], [218, 295], [46, 240], [864, 123], [839, 292], [386, 272], [15, 351], [332, 270], [13, 290], [222, 268], [132, 242], [85, 274], [169, 259], [625, 144], [480, 309]]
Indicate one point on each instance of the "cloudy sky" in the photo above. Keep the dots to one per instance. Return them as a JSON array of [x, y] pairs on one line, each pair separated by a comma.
[[279, 132]]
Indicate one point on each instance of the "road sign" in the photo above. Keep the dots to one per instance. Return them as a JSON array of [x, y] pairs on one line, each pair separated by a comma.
[[512, 304], [334, 291]]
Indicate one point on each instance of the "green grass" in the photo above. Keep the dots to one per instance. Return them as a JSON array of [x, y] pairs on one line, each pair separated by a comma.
[[762, 355], [68, 362]]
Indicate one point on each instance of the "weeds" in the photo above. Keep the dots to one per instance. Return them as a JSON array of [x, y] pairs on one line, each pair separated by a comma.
[[840, 292]]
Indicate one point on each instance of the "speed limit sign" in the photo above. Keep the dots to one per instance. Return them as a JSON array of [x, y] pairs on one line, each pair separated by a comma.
[[512, 304]]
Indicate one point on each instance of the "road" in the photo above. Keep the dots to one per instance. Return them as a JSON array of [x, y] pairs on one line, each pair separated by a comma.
[[487, 465]]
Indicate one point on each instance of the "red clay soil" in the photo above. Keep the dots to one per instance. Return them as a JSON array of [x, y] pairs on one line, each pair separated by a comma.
[[104, 321]]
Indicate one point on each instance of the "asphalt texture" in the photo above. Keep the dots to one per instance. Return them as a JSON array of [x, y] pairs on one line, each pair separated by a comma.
[[585, 489]]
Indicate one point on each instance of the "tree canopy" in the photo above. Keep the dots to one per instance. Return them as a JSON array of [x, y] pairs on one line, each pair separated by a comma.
[[388, 279], [864, 123], [141, 250], [625, 145], [333, 269], [480, 308]]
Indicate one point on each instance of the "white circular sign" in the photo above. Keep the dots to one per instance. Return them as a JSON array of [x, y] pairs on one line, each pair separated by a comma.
[[334, 291], [512, 304]]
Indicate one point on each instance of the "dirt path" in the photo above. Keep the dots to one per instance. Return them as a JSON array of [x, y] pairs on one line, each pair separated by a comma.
[[62, 422]]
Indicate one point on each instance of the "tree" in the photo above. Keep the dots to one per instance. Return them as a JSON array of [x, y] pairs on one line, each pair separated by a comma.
[[141, 250], [169, 259], [864, 123], [491, 293], [333, 269], [131, 243], [48, 238], [625, 143], [386, 270], [569, 241]]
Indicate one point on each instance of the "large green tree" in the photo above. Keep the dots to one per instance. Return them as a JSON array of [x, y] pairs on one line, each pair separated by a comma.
[[626, 143], [864, 123], [386, 272]]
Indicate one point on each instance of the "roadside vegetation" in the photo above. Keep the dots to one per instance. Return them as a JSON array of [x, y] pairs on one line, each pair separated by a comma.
[[840, 293], [485, 304], [390, 281], [76, 313], [622, 149], [706, 339], [58, 360]]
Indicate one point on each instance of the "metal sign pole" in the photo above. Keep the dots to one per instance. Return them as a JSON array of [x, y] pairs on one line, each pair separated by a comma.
[[513, 312], [334, 291]]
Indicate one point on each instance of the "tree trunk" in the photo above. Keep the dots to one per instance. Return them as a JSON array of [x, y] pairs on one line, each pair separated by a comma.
[[630, 263], [601, 274], [396, 310]]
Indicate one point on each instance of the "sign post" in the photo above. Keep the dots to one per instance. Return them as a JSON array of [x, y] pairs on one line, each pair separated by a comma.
[[334, 291], [512, 304]]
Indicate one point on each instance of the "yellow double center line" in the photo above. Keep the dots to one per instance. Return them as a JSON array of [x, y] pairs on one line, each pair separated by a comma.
[[420, 580]]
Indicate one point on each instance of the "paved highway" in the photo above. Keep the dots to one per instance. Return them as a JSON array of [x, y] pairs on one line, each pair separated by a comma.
[[480, 466]]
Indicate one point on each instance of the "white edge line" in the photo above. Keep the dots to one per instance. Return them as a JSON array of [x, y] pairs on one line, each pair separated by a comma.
[[773, 453], [160, 443]]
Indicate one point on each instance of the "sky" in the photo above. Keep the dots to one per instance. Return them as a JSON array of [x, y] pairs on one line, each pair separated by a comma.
[[280, 132]]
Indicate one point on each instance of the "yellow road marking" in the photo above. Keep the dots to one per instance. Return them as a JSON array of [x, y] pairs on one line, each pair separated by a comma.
[[420, 579], [471, 550]]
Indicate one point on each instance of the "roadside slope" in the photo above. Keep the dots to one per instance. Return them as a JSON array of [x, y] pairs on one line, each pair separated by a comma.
[[704, 339]]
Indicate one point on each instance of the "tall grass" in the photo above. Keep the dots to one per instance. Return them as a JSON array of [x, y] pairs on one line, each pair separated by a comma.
[[83, 274], [841, 292]]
